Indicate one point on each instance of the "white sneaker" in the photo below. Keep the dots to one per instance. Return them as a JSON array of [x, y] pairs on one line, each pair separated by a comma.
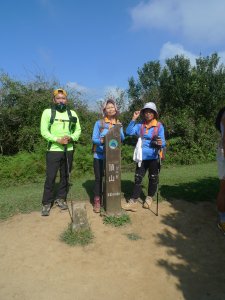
[[131, 205], [148, 202]]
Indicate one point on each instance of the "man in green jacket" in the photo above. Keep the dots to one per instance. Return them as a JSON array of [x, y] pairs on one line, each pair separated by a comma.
[[61, 128]]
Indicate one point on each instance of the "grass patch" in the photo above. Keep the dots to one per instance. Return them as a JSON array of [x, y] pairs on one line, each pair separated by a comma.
[[80, 237], [20, 199], [191, 183], [117, 221], [133, 236]]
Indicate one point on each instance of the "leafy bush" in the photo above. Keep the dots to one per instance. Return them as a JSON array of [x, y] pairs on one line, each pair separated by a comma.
[[83, 159], [22, 167], [199, 148]]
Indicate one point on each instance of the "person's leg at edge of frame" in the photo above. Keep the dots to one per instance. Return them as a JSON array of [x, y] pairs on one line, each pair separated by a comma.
[[132, 204], [153, 178], [52, 166], [221, 205], [101, 181], [98, 171], [221, 194]]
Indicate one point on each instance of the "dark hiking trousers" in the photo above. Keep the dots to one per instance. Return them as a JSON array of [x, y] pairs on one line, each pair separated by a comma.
[[152, 167], [98, 171], [57, 161]]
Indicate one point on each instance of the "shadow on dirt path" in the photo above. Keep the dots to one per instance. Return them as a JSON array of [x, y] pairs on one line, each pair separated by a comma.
[[196, 241]]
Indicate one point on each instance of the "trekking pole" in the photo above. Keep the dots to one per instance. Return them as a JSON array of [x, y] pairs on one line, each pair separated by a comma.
[[68, 183]]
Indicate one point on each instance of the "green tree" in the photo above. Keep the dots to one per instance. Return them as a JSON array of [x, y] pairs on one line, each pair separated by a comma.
[[188, 98]]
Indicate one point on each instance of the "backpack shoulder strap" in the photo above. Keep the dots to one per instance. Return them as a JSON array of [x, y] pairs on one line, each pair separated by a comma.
[[52, 118], [53, 114], [142, 129], [69, 113], [156, 129], [102, 125]]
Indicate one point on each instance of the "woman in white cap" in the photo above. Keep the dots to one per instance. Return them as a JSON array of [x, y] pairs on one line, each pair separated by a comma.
[[151, 139], [101, 128]]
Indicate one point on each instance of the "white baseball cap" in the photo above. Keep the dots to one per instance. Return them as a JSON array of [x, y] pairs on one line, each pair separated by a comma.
[[150, 105]]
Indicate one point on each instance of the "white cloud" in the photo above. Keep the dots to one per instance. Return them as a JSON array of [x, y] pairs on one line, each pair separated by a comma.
[[92, 96], [155, 14], [169, 50], [77, 87], [198, 20], [97, 94]]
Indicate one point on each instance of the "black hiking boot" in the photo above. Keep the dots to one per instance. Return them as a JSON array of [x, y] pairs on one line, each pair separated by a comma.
[[46, 210], [61, 204]]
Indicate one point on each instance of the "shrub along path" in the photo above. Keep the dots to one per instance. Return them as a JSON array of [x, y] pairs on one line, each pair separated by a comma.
[[179, 255]]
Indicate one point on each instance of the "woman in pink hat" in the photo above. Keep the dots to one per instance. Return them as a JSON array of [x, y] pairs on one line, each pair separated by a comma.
[[151, 139], [101, 128]]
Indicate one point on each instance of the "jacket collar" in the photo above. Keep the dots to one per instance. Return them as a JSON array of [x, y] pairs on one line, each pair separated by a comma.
[[151, 124], [110, 121]]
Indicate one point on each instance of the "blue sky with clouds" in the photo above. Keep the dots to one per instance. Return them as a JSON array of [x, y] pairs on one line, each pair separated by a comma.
[[96, 45]]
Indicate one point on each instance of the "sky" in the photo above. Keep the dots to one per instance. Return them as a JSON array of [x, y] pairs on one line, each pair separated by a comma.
[[95, 46]]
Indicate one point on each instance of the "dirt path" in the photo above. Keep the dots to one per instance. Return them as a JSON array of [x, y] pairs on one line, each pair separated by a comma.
[[180, 256]]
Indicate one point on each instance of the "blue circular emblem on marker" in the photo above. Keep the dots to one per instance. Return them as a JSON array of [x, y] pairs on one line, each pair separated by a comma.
[[113, 144]]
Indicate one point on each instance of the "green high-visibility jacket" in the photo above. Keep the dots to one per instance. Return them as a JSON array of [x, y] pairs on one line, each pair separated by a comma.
[[58, 129]]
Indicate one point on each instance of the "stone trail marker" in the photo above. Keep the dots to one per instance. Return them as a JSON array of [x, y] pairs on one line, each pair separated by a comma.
[[80, 220], [112, 172]]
